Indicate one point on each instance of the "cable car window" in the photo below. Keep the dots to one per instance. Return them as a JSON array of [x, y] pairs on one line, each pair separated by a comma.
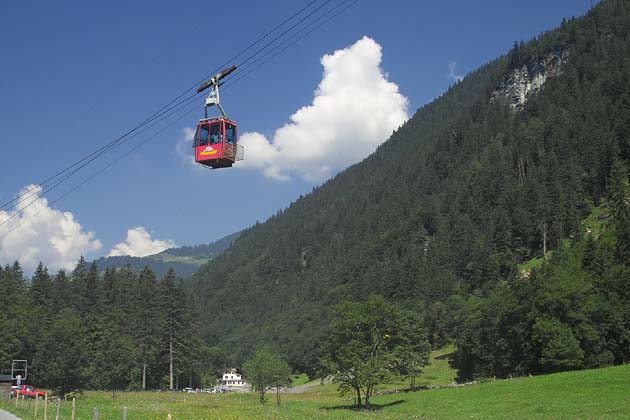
[[230, 133], [215, 133], [201, 138]]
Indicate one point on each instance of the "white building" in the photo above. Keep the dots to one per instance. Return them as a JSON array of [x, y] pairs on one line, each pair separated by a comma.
[[233, 379]]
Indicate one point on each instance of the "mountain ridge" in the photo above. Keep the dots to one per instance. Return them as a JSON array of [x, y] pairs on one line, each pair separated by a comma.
[[459, 195], [185, 260]]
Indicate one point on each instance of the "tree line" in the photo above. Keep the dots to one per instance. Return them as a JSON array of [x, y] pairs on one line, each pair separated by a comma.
[[113, 330], [121, 330]]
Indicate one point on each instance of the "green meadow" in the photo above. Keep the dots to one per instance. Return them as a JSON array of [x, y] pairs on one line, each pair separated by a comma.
[[589, 394]]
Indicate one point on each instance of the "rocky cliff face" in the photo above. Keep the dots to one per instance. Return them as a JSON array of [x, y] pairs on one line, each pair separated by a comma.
[[524, 81]]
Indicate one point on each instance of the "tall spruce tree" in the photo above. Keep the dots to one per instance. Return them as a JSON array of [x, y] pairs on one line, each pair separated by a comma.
[[148, 321]]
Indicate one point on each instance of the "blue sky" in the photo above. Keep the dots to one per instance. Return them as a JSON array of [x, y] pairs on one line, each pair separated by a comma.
[[60, 59]]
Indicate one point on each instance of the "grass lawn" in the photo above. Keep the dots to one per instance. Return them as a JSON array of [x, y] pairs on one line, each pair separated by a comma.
[[438, 371], [297, 380], [592, 394]]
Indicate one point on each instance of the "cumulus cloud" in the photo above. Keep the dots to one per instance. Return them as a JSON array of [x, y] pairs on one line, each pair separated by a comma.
[[35, 232], [354, 109], [140, 244], [451, 72], [183, 147]]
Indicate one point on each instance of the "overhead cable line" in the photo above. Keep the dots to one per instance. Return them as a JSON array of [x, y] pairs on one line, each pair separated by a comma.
[[98, 102], [169, 109], [37, 194], [63, 174], [105, 149], [277, 50], [258, 41], [95, 174], [328, 13], [283, 33]]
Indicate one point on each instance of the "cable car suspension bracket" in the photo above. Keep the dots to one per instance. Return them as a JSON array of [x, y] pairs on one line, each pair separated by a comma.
[[214, 83]]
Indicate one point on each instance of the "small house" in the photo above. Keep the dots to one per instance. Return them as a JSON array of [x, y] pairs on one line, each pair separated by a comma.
[[233, 379]]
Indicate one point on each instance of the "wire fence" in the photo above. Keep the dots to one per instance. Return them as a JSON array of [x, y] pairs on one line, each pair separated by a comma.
[[53, 408]]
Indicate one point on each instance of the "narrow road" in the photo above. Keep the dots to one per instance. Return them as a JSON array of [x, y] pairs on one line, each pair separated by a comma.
[[7, 416]]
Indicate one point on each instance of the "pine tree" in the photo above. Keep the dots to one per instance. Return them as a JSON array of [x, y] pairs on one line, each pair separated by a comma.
[[61, 294], [41, 289], [147, 321], [78, 286], [172, 314], [92, 289], [60, 358]]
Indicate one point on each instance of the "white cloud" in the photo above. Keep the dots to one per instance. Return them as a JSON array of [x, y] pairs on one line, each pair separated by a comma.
[[40, 233], [451, 72], [140, 244], [355, 108], [183, 147]]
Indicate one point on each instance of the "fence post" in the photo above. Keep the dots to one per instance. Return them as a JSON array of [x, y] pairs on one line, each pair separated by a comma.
[[168, 417], [58, 407], [74, 400], [36, 404], [124, 413], [46, 406], [95, 415]]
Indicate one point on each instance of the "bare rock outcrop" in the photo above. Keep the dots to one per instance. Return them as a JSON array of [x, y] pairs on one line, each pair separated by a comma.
[[527, 80]]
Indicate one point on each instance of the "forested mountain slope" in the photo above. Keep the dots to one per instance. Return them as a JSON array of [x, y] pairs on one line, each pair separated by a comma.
[[468, 188], [184, 260]]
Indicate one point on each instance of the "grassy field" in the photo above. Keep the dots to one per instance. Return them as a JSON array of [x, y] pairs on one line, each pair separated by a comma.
[[437, 372], [297, 380], [592, 394]]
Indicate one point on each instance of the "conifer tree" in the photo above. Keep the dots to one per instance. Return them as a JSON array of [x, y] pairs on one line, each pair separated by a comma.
[[41, 288], [172, 312], [147, 321]]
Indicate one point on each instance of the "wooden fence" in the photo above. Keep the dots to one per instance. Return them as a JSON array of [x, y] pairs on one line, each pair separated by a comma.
[[47, 408]]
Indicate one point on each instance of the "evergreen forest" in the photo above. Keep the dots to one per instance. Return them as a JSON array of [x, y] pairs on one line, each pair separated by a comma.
[[505, 228], [117, 330], [475, 211]]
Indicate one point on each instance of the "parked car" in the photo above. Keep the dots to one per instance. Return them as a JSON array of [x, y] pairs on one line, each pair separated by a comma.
[[209, 390], [28, 391], [189, 390]]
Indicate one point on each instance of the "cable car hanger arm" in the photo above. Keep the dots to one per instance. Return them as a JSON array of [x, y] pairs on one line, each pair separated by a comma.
[[213, 81], [213, 97]]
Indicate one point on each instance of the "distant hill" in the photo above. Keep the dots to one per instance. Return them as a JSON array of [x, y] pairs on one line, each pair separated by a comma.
[[185, 260]]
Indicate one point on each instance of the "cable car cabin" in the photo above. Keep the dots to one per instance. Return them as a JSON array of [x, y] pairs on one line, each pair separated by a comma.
[[215, 143]]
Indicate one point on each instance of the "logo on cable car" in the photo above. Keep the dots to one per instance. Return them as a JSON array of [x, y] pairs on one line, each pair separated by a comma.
[[208, 151]]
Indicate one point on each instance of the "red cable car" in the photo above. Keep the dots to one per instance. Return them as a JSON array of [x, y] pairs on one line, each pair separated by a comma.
[[215, 143], [216, 139]]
